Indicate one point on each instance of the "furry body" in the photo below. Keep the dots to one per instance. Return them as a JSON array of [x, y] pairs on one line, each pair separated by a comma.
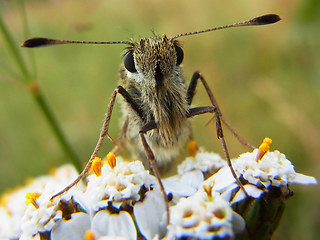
[[159, 88]]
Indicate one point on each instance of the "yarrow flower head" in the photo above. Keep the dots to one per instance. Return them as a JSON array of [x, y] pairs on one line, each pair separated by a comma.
[[14, 206], [121, 200], [203, 216], [259, 170]]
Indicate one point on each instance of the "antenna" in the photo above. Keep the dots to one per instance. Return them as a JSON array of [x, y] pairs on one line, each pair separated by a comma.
[[43, 42], [262, 20]]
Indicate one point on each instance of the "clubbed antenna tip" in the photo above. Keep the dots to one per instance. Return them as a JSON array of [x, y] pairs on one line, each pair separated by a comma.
[[38, 42], [261, 20], [266, 19]]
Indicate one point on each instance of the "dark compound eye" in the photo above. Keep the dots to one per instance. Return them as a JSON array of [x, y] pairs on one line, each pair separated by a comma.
[[128, 60], [179, 53]]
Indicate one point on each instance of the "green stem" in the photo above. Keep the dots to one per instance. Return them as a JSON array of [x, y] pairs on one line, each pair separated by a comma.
[[40, 100], [35, 91], [14, 51]]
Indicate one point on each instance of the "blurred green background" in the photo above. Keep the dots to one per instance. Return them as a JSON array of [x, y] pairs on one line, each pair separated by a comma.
[[266, 80]]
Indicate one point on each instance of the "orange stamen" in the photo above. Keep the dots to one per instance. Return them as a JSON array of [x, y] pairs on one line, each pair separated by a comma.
[[192, 147], [96, 166], [111, 160], [264, 148], [31, 198], [89, 235]]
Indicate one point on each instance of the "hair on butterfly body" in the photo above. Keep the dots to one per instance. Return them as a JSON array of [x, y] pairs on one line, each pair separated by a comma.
[[157, 100], [152, 76]]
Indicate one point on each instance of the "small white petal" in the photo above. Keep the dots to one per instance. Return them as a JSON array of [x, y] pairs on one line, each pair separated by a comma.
[[49, 225], [238, 197], [252, 190], [275, 182], [149, 214], [238, 223], [303, 179], [173, 185], [227, 193], [206, 162], [193, 178], [266, 184], [222, 179], [73, 229], [116, 224]]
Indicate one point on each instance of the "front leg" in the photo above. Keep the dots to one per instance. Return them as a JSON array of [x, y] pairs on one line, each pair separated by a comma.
[[152, 161], [218, 117], [190, 94], [104, 132]]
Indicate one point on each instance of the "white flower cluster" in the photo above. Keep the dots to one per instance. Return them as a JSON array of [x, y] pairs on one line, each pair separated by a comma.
[[274, 169], [13, 205], [203, 217], [125, 202], [118, 185], [105, 207]]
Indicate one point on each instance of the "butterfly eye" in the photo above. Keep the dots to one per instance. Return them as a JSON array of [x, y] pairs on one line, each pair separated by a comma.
[[179, 53], [128, 60]]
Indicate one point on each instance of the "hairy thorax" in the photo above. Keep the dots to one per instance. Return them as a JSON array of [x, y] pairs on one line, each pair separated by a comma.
[[167, 106]]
